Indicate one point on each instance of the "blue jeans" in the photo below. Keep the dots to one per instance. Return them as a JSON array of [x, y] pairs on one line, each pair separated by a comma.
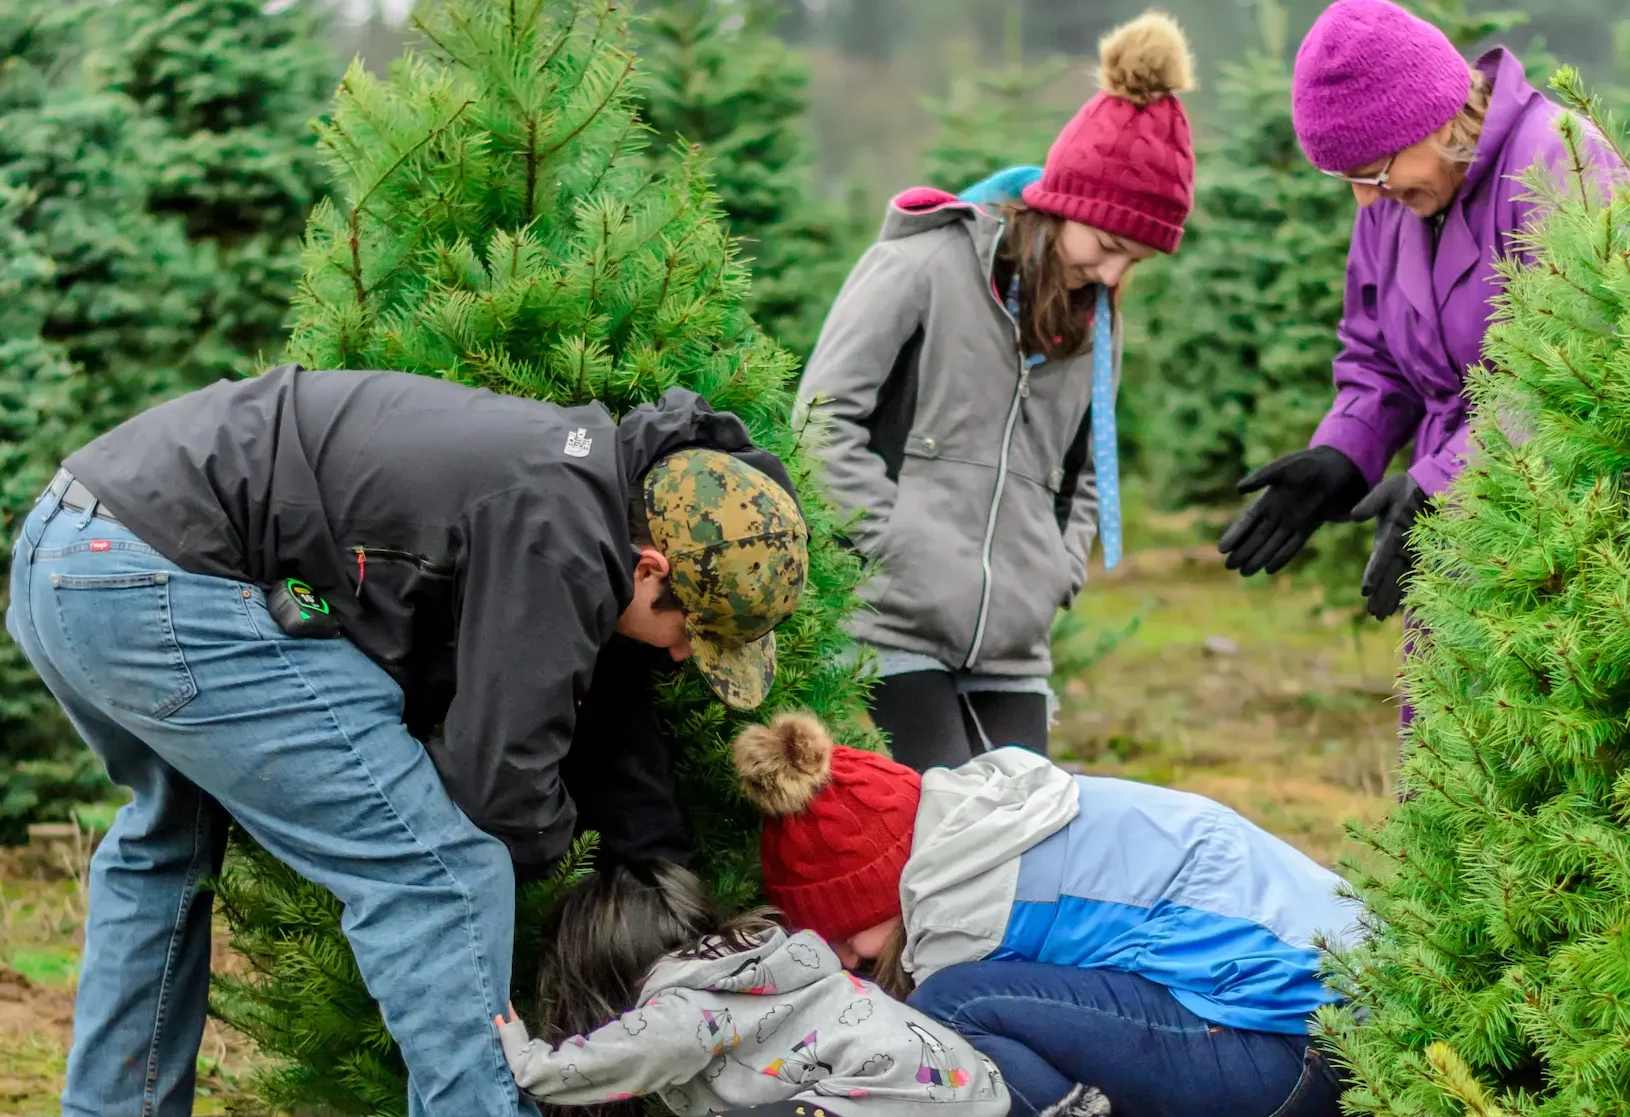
[[194, 699], [1048, 1027]]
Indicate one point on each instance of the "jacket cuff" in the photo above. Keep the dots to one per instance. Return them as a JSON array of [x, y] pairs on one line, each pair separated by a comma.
[[1434, 474], [1359, 441], [534, 857]]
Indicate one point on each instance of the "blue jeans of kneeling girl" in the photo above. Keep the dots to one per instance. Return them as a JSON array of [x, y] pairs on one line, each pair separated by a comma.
[[195, 700], [1048, 1027]]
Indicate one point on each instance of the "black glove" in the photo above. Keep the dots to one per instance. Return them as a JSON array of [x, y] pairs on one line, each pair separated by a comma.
[[1305, 489], [1396, 501]]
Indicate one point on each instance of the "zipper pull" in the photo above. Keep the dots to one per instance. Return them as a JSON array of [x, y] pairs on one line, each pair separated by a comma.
[[362, 568]]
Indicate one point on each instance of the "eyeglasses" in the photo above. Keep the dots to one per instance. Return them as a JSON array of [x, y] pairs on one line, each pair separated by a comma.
[[1378, 180]]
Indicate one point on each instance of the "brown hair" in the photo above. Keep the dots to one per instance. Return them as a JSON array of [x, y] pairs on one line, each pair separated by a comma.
[[889, 970], [1054, 320], [600, 944], [1467, 126]]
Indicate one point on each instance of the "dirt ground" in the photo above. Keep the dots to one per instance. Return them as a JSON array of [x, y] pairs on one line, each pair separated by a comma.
[[42, 913], [1240, 691]]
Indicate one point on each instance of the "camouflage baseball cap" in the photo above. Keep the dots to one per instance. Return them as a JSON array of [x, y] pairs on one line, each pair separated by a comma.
[[738, 550]]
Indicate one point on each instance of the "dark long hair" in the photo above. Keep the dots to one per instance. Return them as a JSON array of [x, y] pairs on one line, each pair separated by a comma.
[[1054, 320], [601, 942]]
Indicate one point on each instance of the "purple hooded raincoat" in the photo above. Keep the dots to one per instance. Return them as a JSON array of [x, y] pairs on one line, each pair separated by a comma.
[[1415, 316]]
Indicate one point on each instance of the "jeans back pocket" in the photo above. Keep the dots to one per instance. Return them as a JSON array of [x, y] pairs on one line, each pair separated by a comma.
[[1318, 1090], [123, 640]]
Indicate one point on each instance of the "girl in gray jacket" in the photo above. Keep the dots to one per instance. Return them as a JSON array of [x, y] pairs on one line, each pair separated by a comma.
[[965, 379], [660, 995]]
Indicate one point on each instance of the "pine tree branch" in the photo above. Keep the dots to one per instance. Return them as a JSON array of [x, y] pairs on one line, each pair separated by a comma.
[[353, 218], [424, 29], [607, 7], [609, 99], [613, 163], [531, 157], [561, 40]]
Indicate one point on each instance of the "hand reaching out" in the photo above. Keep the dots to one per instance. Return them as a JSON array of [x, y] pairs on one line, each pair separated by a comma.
[[1303, 491], [1394, 504]]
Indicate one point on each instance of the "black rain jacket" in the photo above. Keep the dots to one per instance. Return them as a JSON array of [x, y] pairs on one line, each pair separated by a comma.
[[475, 545]]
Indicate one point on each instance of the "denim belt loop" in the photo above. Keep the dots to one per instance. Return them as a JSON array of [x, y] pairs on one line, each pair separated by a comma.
[[48, 505]]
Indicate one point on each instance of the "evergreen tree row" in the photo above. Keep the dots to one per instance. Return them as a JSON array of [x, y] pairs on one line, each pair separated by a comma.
[[715, 74], [156, 161]]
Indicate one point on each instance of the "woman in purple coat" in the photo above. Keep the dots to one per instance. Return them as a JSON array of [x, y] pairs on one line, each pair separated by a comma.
[[1434, 149]]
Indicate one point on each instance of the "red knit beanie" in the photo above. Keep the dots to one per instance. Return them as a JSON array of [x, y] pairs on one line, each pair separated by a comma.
[[837, 827], [1125, 164]]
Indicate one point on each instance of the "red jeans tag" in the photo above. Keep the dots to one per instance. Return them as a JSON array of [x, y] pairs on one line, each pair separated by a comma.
[[100, 545]]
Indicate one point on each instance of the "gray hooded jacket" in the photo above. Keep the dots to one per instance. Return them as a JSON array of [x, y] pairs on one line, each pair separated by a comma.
[[982, 522], [775, 1023]]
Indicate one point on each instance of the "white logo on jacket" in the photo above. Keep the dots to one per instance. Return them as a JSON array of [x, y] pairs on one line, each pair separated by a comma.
[[578, 443]]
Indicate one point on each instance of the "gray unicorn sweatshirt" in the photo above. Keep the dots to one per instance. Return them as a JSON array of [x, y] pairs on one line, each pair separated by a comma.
[[778, 1022]]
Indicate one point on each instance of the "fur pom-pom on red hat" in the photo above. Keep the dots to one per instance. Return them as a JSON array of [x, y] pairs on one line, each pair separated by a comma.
[[837, 827], [1125, 164]]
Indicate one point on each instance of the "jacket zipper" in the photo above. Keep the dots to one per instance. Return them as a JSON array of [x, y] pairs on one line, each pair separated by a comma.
[[388, 554], [1001, 470]]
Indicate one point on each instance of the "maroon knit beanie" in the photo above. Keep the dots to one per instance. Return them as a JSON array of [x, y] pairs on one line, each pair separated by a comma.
[[1125, 164], [837, 827]]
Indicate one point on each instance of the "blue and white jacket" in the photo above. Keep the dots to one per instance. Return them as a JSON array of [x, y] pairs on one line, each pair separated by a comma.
[[1013, 858]]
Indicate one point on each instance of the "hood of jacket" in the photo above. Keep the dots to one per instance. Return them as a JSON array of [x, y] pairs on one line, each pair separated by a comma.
[[796, 961], [923, 209], [973, 824], [1005, 186]]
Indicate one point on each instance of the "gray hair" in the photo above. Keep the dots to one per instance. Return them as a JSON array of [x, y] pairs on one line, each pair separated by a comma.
[[1467, 126]]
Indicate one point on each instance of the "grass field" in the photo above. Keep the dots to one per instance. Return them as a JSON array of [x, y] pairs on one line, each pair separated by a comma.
[[1240, 691], [1245, 692]]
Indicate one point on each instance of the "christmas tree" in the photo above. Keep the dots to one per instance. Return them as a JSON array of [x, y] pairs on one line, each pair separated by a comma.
[[232, 87], [45, 771], [715, 74], [496, 222], [1496, 974], [98, 317]]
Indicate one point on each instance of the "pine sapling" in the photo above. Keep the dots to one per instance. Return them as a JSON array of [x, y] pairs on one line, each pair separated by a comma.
[[496, 222]]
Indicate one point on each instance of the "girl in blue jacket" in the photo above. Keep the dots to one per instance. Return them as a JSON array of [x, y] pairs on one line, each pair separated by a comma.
[[1076, 929]]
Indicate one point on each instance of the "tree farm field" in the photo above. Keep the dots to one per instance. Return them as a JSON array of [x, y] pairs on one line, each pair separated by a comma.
[[1242, 691]]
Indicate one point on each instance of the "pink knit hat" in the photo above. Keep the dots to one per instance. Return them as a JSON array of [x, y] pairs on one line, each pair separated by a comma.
[[1125, 164], [1372, 79]]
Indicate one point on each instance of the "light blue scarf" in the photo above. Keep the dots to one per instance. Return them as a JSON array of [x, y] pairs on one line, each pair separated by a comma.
[[1105, 458]]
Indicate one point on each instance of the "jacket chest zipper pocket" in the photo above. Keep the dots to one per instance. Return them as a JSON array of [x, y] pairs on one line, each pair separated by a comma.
[[366, 555]]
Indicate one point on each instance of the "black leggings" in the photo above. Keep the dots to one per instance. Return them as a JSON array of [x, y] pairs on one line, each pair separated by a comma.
[[930, 725]]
